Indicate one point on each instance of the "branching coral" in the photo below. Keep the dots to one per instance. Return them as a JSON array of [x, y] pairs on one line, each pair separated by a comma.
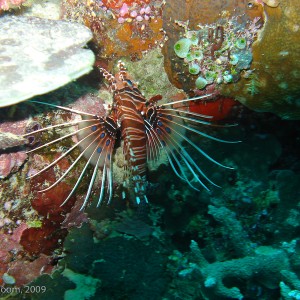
[[233, 227], [266, 265]]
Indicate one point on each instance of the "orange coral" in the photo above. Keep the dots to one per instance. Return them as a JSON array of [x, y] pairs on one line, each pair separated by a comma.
[[132, 41], [114, 38]]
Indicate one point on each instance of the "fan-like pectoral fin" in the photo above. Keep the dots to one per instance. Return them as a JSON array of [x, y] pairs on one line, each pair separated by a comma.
[[166, 129], [96, 139], [102, 153]]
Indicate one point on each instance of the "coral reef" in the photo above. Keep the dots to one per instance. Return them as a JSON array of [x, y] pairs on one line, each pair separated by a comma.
[[276, 63], [211, 37], [38, 56], [247, 223], [32, 224], [265, 265], [272, 83], [120, 28], [46, 222], [237, 242], [8, 4], [244, 245], [13, 261], [217, 53], [112, 274]]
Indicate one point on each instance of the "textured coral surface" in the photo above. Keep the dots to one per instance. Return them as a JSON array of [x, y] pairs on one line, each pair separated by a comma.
[[7, 4], [276, 60], [195, 13], [38, 56], [273, 84], [119, 30]]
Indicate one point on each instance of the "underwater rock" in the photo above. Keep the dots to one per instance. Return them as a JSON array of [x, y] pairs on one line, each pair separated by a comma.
[[9, 244], [11, 162], [41, 265], [9, 140], [152, 78], [198, 11], [274, 85], [135, 227], [271, 85], [75, 217], [121, 263], [11, 137], [13, 261], [43, 9], [212, 26], [11, 133], [39, 55]]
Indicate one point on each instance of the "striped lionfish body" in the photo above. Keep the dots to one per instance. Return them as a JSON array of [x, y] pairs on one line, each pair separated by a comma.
[[146, 129], [129, 106]]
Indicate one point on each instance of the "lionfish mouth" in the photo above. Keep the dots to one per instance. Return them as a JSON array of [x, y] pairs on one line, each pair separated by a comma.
[[161, 128]]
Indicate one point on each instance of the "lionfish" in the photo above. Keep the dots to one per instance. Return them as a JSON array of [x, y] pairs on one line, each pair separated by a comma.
[[146, 128]]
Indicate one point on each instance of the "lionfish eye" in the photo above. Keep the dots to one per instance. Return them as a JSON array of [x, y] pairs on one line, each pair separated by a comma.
[[129, 82], [250, 4]]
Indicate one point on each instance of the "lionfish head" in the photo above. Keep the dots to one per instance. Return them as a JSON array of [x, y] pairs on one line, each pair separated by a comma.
[[123, 79]]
